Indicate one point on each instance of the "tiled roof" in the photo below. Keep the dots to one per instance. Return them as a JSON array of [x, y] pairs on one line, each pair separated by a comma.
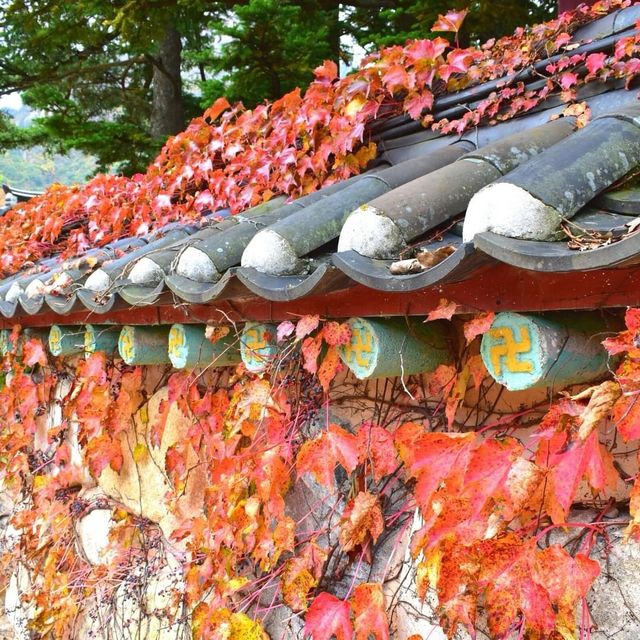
[[538, 193], [12, 196]]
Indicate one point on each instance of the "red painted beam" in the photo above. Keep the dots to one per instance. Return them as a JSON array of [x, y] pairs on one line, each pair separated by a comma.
[[498, 288]]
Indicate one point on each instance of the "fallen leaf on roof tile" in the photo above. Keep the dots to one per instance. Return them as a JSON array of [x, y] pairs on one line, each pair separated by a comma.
[[581, 111], [405, 267], [633, 225], [430, 259], [424, 260]]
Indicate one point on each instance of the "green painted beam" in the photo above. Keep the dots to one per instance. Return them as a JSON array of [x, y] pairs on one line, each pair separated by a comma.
[[5, 343], [101, 338], [144, 345], [189, 347], [258, 345], [66, 340], [395, 347], [528, 351]]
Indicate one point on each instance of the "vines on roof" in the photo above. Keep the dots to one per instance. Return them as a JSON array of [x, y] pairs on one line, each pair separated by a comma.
[[235, 158]]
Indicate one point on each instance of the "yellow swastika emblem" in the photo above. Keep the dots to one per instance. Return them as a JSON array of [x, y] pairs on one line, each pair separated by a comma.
[[255, 339], [360, 349], [506, 349]]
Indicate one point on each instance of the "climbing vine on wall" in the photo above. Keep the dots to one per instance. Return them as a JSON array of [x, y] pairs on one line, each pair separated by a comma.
[[231, 157], [485, 498]]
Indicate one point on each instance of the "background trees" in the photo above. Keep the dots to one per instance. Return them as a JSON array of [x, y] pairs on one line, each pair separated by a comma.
[[114, 78]]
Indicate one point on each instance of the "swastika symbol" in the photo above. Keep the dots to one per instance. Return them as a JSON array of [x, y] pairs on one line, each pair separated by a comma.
[[506, 349], [360, 347], [254, 339]]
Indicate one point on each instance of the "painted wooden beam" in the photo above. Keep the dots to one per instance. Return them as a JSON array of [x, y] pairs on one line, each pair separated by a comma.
[[395, 347], [66, 340], [101, 338], [258, 345], [144, 345], [189, 347], [523, 351]]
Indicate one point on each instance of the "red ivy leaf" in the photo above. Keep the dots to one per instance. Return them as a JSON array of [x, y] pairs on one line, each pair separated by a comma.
[[328, 617], [416, 103], [335, 333], [306, 325], [452, 21], [214, 111], [595, 62], [396, 78], [320, 456], [626, 417], [285, 329], [444, 311], [479, 325], [310, 352], [375, 445], [568, 79]]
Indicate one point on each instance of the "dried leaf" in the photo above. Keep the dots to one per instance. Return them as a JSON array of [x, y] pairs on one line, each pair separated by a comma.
[[362, 521]]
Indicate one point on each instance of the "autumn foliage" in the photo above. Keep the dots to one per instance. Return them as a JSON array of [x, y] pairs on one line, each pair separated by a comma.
[[478, 502], [485, 499], [231, 157]]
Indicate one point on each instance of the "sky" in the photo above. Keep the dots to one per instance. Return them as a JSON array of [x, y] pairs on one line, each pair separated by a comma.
[[11, 101]]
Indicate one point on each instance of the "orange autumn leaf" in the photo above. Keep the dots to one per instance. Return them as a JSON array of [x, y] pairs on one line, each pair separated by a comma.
[[362, 520], [566, 580], [102, 452], [633, 529], [444, 310], [335, 333], [321, 455], [626, 417], [310, 350], [375, 445], [478, 325], [567, 463], [331, 365], [370, 616]]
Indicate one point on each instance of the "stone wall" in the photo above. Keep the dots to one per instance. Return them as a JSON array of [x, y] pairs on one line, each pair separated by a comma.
[[142, 607]]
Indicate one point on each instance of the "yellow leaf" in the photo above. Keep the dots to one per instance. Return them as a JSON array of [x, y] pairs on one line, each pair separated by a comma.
[[140, 452], [39, 482], [354, 106]]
